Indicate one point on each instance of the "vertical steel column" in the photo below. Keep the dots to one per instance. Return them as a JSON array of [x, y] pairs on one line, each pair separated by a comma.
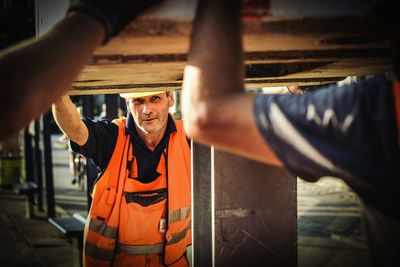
[[91, 168], [39, 166], [202, 206], [29, 171], [177, 104], [111, 106], [48, 163], [249, 219], [29, 158], [47, 13]]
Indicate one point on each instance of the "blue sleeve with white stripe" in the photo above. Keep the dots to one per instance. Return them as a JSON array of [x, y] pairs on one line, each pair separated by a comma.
[[347, 132]]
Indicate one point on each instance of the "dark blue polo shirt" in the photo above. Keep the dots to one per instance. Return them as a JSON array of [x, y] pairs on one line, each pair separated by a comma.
[[103, 137], [347, 132]]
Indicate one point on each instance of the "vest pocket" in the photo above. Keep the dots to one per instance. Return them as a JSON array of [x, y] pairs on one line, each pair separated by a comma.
[[103, 205], [140, 225], [146, 198]]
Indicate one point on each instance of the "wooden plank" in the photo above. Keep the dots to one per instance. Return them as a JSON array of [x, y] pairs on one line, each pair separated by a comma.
[[151, 53], [261, 46], [117, 78], [261, 41]]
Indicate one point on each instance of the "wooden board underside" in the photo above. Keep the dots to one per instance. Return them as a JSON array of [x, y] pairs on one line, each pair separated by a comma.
[[117, 78], [277, 53]]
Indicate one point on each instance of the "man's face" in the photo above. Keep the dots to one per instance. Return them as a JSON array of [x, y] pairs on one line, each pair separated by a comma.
[[150, 113]]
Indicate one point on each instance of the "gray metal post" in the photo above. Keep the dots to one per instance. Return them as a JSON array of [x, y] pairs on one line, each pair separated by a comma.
[[91, 168], [112, 104], [48, 163], [244, 212], [39, 166], [202, 206]]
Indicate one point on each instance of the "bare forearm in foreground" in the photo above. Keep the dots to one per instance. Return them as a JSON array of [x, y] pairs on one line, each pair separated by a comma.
[[216, 109], [37, 72]]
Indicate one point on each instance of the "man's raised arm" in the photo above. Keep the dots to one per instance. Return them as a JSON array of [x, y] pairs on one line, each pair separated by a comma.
[[69, 120]]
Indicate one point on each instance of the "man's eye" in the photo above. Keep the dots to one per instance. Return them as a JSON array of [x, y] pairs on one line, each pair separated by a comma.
[[155, 98], [137, 101]]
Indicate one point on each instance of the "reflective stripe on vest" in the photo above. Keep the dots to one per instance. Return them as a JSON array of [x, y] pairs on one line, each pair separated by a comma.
[[98, 253], [140, 249], [179, 215], [102, 228], [176, 237]]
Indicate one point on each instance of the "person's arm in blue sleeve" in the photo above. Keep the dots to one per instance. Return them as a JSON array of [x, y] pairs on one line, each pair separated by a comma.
[[347, 132]]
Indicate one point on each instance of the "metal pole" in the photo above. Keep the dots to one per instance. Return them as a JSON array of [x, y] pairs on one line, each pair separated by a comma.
[[48, 166], [111, 106], [39, 165], [28, 153], [202, 206], [91, 168], [244, 212]]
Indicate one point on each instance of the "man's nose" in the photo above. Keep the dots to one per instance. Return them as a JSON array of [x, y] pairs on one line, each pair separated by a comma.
[[146, 108]]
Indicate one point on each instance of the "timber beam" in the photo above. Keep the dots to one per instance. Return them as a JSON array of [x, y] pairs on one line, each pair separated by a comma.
[[313, 50]]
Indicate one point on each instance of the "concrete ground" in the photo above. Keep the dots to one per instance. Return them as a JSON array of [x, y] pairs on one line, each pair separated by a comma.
[[329, 227]]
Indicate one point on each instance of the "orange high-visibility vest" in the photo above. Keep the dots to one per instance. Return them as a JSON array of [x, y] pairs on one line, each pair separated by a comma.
[[121, 232]]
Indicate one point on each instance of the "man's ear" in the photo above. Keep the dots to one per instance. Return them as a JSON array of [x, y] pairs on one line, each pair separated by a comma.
[[171, 99], [128, 110]]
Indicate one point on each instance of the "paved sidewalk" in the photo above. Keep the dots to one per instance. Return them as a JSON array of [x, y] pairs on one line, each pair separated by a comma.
[[329, 225], [29, 242], [34, 242]]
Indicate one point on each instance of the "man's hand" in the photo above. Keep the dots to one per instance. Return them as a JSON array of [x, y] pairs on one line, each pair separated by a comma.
[[114, 15]]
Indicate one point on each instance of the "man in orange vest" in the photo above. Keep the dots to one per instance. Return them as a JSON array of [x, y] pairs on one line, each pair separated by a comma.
[[141, 209]]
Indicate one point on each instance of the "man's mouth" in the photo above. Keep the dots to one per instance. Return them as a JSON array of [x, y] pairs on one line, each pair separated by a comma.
[[149, 119]]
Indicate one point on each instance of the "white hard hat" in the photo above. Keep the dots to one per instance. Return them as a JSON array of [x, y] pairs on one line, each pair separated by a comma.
[[140, 94]]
